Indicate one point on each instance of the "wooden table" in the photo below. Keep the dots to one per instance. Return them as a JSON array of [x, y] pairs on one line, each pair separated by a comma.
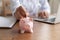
[[42, 31]]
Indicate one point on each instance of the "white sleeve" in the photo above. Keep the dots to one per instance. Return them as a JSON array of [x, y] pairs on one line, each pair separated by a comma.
[[45, 5], [14, 4]]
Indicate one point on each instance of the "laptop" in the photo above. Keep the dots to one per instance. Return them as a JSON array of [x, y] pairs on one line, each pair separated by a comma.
[[7, 22], [52, 19]]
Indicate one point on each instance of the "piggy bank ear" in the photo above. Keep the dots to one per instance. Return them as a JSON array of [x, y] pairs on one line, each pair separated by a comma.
[[22, 20]]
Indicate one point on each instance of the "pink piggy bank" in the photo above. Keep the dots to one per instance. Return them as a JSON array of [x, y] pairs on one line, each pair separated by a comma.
[[26, 25]]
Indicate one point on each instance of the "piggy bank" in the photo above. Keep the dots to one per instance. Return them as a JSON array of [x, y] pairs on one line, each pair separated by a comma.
[[26, 25]]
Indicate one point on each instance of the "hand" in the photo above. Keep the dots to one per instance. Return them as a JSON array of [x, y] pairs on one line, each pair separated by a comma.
[[20, 12], [17, 15], [43, 14]]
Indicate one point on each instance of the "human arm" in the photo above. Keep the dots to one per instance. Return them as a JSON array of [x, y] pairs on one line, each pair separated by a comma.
[[45, 9]]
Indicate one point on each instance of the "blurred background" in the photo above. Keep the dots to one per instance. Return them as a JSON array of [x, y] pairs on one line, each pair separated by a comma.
[[5, 7]]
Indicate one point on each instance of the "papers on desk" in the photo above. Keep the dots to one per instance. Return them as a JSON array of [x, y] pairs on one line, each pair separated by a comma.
[[42, 19], [8, 21]]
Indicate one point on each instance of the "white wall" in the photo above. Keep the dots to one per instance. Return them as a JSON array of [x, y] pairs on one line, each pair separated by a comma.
[[54, 5]]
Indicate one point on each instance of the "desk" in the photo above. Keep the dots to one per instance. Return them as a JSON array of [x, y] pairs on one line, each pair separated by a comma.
[[42, 31]]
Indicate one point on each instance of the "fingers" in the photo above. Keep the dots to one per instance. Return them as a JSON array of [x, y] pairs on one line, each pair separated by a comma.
[[39, 14], [17, 16], [23, 12], [43, 14], [46, 14]]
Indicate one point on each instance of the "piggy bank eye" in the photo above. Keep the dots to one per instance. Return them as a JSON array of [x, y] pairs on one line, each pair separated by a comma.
[[23, 21], [31, 19]]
